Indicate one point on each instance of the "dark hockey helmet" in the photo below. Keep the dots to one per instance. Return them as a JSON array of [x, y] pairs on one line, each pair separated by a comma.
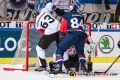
[[73, 8]]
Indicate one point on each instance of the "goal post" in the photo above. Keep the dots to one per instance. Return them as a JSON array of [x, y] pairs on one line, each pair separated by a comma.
[[26, 55], [21, 58], [88, 29]]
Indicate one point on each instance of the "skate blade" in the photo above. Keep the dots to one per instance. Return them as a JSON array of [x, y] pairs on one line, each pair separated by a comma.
[[58, 75], [55, 76], [43, 72]]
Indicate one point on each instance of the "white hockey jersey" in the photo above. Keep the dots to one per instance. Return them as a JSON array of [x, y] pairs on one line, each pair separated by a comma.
[[46, 21]]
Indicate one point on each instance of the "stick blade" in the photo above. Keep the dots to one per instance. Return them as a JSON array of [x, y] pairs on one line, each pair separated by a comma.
[[98, 72]]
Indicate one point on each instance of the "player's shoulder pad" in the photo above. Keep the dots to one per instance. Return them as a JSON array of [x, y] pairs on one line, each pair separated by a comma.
[[66, 15]]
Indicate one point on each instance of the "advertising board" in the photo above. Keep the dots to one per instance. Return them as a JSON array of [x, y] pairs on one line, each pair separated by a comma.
[[107, 40]]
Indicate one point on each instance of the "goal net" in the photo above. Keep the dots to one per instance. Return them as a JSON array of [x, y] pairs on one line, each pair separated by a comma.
[[26, 55]]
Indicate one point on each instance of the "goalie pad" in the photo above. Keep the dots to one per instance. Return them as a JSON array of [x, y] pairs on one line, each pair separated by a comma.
[[91, 49]]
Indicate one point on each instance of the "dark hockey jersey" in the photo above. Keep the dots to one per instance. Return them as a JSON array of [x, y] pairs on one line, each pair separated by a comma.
[[72, 22], [18, 4]]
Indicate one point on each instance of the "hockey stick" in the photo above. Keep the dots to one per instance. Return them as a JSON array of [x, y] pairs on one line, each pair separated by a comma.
[[89, 56], [97, 34], [109, 66]]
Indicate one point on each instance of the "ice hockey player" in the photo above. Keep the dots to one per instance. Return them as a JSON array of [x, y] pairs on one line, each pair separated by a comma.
[[71, 59], [47, 25], [72, 23]]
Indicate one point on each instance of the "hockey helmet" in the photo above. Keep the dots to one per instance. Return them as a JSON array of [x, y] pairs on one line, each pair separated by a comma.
[[50, 7], [72, 8]]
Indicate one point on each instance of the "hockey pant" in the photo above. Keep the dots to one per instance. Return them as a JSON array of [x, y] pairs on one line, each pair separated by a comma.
[[69, 40], [44, 42]]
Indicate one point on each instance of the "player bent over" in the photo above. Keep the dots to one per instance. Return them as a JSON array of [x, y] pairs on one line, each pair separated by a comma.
[[71, 59], [72, 23], [47, 25]]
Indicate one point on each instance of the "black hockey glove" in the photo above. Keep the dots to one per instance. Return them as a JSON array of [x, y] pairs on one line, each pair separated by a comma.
[[59, 12], [35, 14]]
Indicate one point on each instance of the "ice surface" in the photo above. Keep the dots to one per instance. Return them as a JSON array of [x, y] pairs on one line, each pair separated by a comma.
[[31, 75]]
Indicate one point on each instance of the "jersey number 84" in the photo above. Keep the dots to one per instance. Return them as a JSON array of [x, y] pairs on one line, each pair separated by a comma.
[[75, 23]]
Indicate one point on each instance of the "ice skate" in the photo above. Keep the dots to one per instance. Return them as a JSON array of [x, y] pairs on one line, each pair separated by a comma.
[[52, 67], [89, 67], [83, 68], [83, 64], [57, 69], [41, 69], [68, 71]]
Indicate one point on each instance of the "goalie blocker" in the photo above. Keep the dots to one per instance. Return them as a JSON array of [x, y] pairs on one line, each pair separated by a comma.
[[73, 62]]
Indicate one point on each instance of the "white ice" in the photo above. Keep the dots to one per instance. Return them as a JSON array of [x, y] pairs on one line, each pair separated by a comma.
[[31, 75]]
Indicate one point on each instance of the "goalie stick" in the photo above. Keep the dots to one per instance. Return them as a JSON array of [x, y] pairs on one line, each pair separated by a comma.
[[89, 56], [109, 66]]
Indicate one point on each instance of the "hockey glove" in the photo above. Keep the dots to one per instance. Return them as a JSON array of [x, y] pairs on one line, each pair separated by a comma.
[[35, 14], [54, 7], [59, 12], [91, 49], [61, 36]]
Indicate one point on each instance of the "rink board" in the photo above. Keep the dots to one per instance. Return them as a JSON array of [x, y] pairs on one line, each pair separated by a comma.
[[104, 56], [32, 75], [93, 59]]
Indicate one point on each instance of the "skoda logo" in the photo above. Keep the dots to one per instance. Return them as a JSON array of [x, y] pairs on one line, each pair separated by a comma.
[[106, 44]]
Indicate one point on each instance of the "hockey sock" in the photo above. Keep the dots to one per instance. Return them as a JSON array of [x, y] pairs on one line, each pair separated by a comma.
[[43, 62], [82, 58], [67, 64], [59, 59]]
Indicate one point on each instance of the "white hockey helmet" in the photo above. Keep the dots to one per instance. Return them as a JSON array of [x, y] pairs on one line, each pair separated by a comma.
[[49, 6]]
